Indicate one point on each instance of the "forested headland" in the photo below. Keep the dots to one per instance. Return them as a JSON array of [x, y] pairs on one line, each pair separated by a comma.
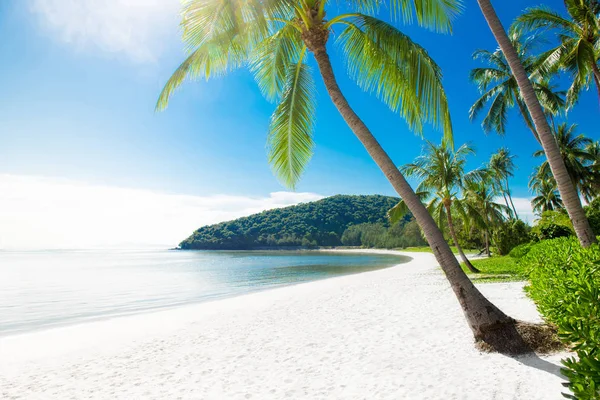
[[333, 221]]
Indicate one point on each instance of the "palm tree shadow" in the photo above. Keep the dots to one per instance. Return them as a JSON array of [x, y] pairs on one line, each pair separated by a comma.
[[534, 361]]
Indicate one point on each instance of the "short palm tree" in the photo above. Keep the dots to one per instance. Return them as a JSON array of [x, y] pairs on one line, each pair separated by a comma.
[[501, 167], [500, 91], [441, 175], [547, 197], [575, 153], [566, 188], [482, 208], [591, 187], [578, 49], [275, 38]]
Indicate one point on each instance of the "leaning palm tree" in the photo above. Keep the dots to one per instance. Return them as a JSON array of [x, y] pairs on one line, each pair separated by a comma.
[[547, 197], [578, 160], [500, 91], [566, 188], [441, 173], [275, 38], [578, 49], [501, 167], [482, 208]]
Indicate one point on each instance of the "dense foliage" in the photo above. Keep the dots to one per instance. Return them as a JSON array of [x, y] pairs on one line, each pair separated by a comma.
[[319, 223], [403, 234], [509, 234], [552, 225], [565, 284]]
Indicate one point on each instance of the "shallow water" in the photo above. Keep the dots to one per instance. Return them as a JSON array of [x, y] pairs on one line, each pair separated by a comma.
[[48, 288]]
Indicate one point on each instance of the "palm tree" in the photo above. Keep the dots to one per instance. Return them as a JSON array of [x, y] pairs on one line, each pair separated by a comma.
[[577, 158], [482, 209], [567, 191], [275, 38], [578, 51], [501, 167], [548, 198], [591, 187], [441, 173], [500, 91]]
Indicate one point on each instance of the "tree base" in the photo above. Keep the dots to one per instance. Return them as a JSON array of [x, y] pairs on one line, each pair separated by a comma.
[[518, 337]]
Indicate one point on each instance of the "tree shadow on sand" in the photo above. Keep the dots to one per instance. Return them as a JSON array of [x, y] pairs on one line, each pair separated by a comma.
[[534, 361], [523, 341]]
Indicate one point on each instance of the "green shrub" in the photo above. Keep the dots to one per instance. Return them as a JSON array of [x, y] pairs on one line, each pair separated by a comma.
[[565, 284], [552, 225], [520, 251], [592, 212], [509, 235]]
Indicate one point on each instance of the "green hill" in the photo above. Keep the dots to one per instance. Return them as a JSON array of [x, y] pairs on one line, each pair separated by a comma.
[[318, 223]]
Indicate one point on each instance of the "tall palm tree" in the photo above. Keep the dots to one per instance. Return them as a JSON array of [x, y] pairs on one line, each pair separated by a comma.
[[548, 198], [275, 38], [575, 153], [566, 188], [578, 50], [482, 208], [500, 91], [441, 173], [501, 167]]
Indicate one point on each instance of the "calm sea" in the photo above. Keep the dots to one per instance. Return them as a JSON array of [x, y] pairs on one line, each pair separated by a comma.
[[50, 288]]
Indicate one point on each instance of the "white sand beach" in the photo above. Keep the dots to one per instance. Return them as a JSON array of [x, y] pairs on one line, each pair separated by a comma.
[[396, 333]]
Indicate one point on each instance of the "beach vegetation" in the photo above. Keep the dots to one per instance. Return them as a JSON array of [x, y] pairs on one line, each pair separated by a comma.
[[565, 285]]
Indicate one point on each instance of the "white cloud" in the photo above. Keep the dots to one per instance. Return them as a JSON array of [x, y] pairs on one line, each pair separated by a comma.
[[47, 213], [136, 28], [523, 206]]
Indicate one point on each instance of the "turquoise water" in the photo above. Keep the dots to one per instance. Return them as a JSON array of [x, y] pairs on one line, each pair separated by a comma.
[[50, 288]]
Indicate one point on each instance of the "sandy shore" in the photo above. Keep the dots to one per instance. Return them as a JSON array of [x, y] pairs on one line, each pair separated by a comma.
[[396, 333]]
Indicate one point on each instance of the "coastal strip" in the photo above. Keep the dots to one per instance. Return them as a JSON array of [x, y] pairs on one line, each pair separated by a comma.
[[394, 333]]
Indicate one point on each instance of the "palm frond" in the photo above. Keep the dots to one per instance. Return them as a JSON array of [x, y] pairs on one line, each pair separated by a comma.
[[270, 59], [384, 61], [290, 144]]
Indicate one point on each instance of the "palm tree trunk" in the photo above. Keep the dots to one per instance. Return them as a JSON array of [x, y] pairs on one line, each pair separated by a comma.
[[487, 242], [455, 239], [506, 202], [527, 118], [510, 198], [487, 322], [566, 188]]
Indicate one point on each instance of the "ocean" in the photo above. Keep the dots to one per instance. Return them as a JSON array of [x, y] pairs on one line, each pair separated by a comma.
[[44, 289]]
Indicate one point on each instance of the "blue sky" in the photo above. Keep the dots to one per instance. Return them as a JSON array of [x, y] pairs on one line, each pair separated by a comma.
[[80, 80]]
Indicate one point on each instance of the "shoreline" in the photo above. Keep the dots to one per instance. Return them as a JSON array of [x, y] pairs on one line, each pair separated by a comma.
[[199, 301], [387, 333]]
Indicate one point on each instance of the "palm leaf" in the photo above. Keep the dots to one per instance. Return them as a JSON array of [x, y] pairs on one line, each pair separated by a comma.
[[384, 61], [290, 144]]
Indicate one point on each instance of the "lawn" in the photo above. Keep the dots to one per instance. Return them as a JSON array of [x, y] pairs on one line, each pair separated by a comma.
[[497, 269], [427, 249]]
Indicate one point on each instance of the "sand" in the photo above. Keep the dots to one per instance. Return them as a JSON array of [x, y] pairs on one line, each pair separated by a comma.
[[396, 333]]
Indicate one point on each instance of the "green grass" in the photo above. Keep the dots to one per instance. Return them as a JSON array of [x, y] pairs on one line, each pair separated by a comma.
[[427, 249], [497, 269]]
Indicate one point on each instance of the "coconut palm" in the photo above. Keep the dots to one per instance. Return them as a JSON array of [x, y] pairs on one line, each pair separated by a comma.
[[578, 50], [566, 188], [577, 158], [591, 187], [500, 91], [441, 175], [501, 167], [548, 198], [482, 208], [275, 39]]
